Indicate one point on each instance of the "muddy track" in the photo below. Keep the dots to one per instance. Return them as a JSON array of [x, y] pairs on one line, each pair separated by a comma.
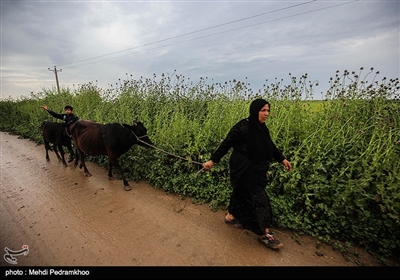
[[68, 219]]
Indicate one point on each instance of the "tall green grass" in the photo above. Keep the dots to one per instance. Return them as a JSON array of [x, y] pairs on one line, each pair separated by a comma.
[[345, 149]]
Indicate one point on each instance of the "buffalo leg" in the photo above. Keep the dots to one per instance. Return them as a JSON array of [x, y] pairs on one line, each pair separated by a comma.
[[82, 164], [62, 155], [47, 148], [110, 174], [71, 153], [121, 172], [57, 149], [76, 158]]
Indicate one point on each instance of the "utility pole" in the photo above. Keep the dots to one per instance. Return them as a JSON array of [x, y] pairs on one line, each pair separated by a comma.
[[55, 72]]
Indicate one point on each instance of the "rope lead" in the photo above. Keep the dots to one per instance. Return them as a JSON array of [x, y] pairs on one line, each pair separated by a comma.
[[191, 161]]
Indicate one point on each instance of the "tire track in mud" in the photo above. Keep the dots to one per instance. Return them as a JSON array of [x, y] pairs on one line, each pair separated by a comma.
[[66, 208], [43, 205], [73, 206]]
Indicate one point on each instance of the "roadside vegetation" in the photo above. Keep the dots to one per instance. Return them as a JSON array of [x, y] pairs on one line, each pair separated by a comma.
[[345, 148]]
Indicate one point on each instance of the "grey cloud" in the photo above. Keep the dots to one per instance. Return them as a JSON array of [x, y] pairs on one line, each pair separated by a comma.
[[180, 35]]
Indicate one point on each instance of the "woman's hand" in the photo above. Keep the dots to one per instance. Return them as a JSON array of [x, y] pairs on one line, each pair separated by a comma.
[[287, 165], [208, 165]]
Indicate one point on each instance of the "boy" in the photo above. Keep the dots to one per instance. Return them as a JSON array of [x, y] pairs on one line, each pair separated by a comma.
[[66, 118]]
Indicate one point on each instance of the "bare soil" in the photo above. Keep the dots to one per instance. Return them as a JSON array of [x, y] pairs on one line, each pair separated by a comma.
[[68, 219]]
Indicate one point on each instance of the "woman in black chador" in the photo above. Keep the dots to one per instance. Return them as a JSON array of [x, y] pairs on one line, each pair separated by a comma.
[[253, 150]]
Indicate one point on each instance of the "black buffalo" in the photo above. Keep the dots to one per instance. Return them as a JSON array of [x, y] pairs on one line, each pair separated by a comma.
[[55, 133], [112, 139]]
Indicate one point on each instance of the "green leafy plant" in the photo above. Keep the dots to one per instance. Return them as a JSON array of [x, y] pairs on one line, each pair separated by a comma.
[[345, 149]]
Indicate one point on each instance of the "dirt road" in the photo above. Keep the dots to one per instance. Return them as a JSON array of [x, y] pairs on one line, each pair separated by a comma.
[[68, 219]]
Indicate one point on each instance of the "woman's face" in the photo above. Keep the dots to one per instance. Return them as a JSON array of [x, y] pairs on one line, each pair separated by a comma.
[[263, 113]]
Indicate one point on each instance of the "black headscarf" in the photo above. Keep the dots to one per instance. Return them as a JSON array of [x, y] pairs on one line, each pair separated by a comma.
[[260, 147]]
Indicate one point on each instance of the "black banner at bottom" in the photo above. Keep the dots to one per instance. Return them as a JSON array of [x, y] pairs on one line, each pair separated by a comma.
[[203, 272]]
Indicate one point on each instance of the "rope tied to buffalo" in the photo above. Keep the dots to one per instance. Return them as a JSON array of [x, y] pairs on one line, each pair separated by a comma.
[[166, 152]]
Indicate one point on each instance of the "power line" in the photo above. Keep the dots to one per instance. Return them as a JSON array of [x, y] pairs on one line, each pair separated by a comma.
[[190, 33], [196, 38]]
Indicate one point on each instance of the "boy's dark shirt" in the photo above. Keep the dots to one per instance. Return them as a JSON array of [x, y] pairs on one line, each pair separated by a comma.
[[67, 119]]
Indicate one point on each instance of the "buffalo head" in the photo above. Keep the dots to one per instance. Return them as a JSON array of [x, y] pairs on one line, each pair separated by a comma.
[[141, 133]]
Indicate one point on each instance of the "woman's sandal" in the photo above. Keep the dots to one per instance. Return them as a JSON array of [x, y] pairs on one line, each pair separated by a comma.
[[270, 241]]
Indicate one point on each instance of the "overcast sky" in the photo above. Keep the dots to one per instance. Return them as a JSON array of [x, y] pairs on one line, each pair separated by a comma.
[[104, 41]]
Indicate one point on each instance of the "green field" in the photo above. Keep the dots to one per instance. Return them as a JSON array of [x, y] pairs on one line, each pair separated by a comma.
[[345, 149]]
